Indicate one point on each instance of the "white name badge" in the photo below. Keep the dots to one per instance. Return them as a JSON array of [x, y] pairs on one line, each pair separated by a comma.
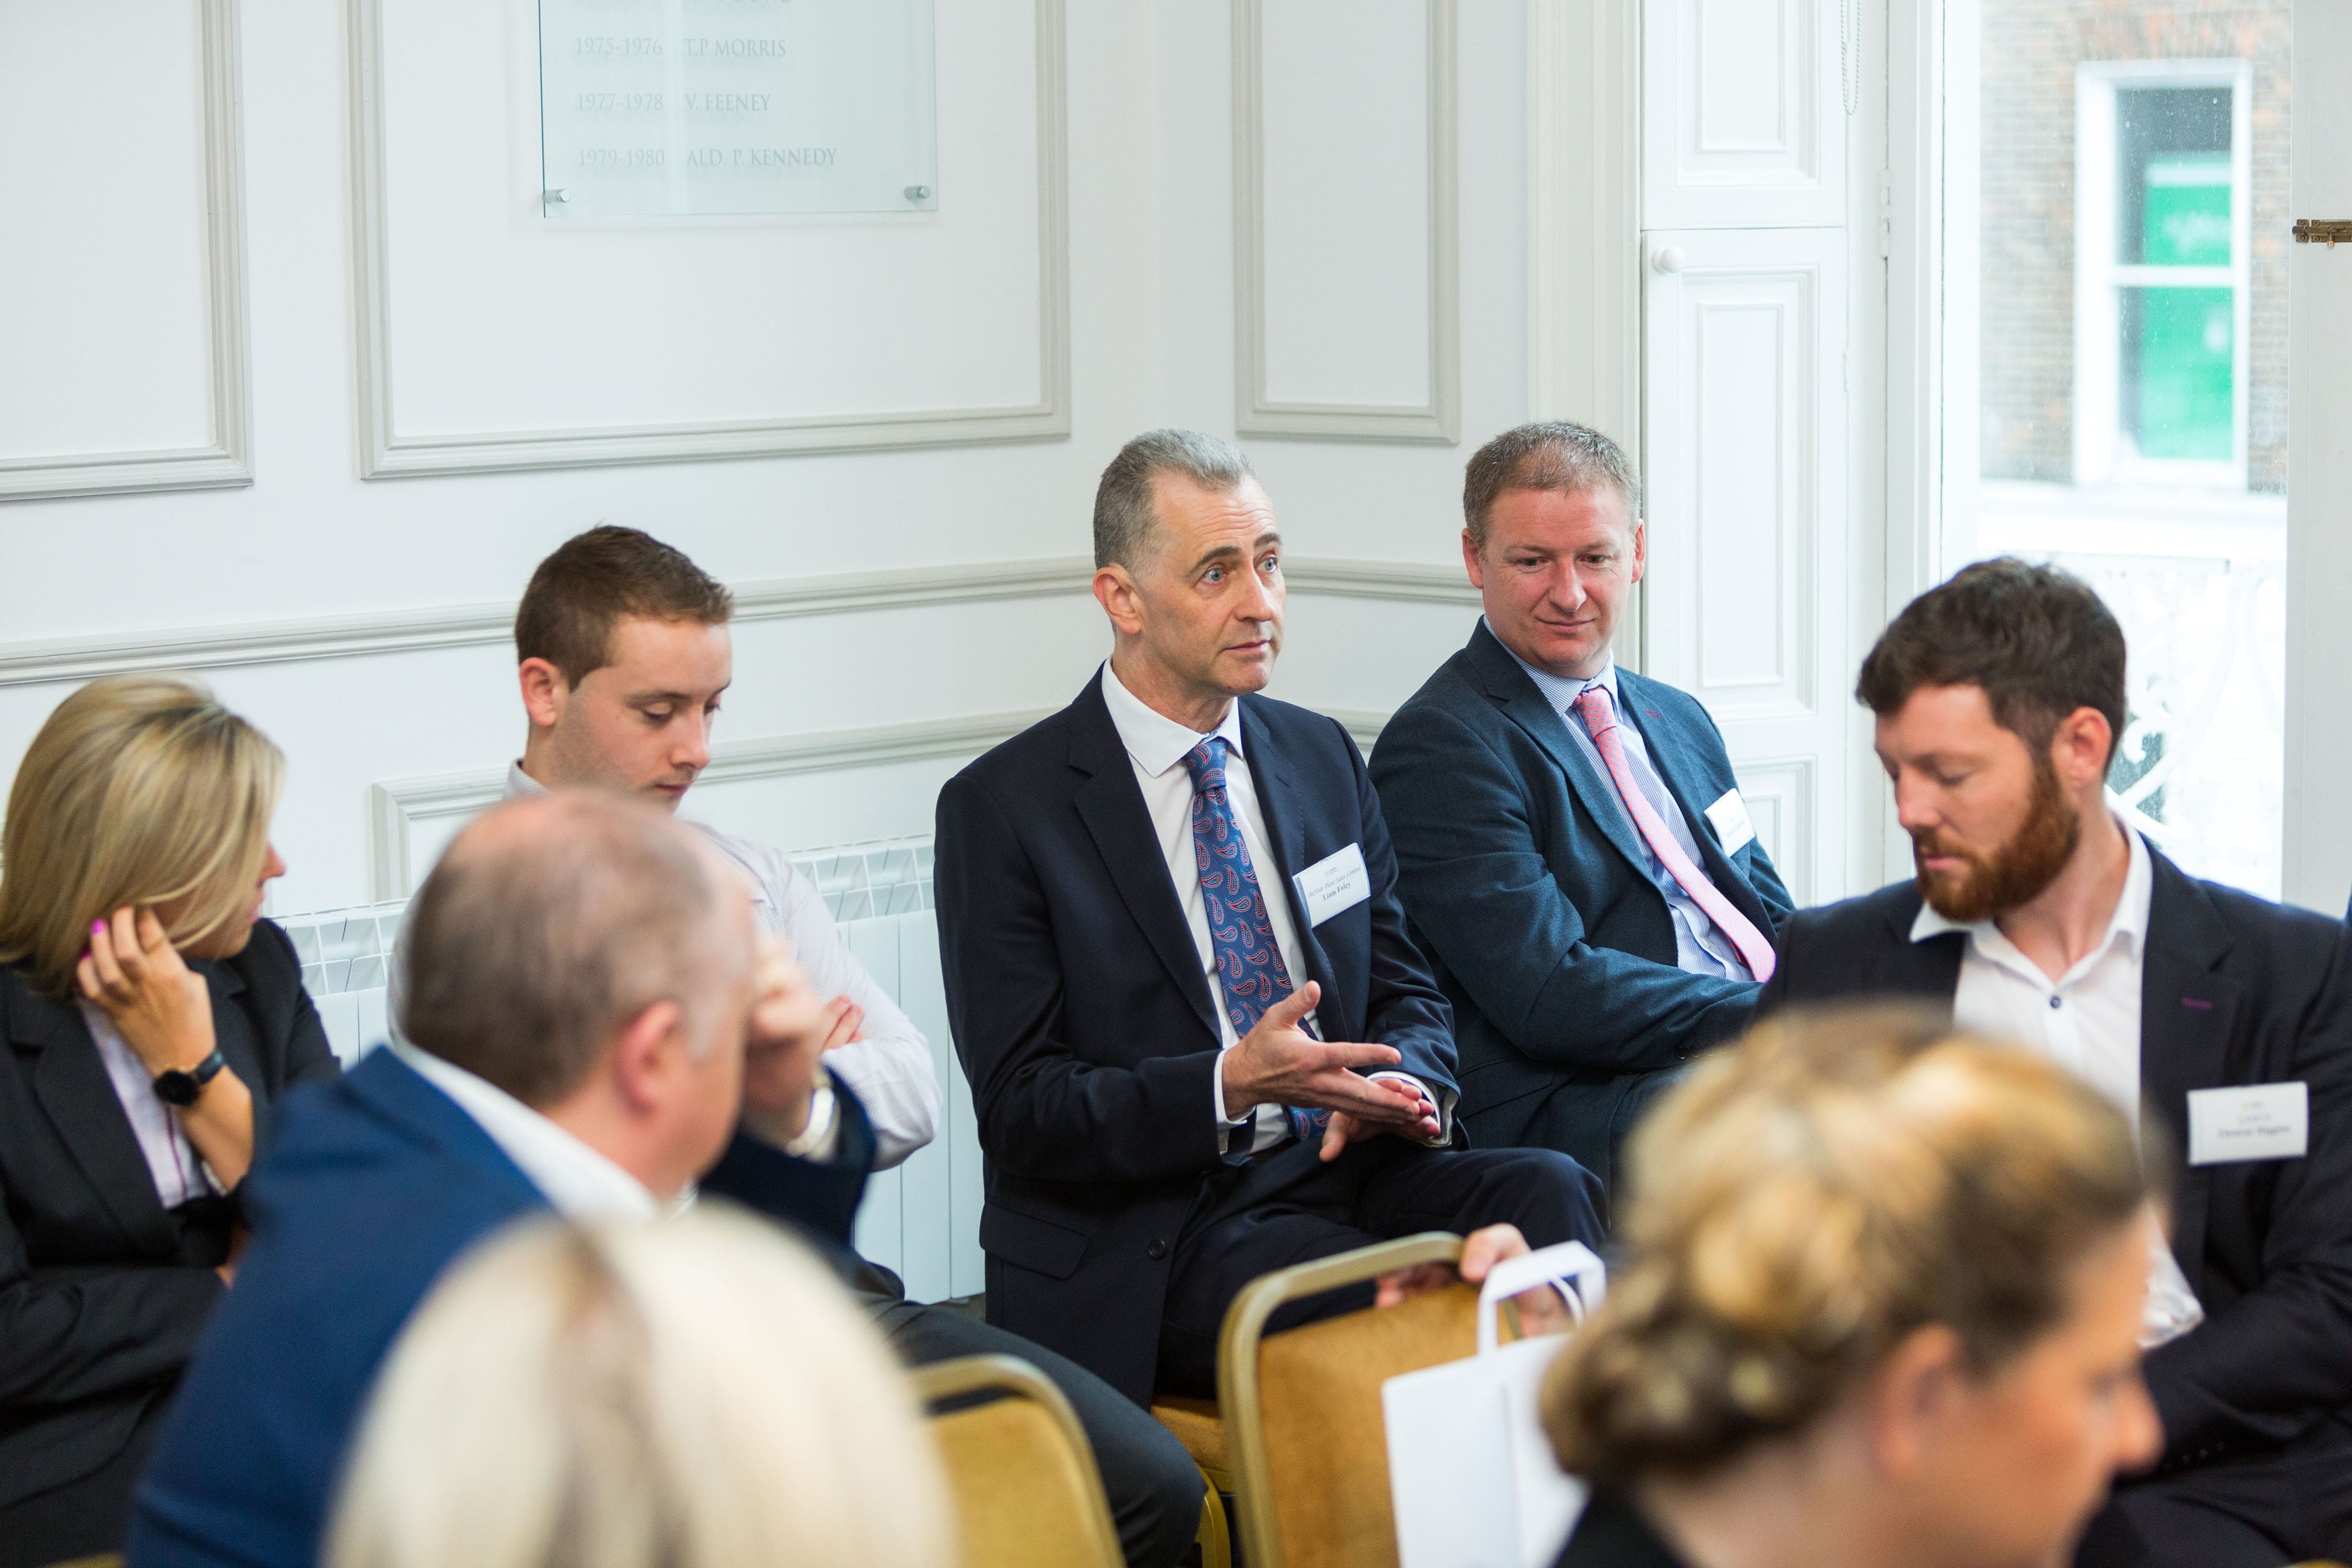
[[2258, 1122], [1333, 883], [1729, 816]]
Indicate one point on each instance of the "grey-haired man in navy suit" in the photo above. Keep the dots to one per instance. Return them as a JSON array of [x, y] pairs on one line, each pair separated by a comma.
[[1201, 1045], [1571, 844]]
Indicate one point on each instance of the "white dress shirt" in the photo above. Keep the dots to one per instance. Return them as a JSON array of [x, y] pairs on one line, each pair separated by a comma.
[[180, 1174], [579, 1181], [1157, 747], [1700, 946], [891, 1070], [2087, 1021]]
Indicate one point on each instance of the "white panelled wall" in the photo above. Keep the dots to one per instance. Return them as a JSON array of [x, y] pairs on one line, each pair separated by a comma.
[[298, 383], [317, 213]]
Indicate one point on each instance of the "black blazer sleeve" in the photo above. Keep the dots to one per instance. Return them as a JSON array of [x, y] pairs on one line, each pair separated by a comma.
[[1483, 896], [819, 1196], [1044, 1111], [2265, 1366], [70, 1334]]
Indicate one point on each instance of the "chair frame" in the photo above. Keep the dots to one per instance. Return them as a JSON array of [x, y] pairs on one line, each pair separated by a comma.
[[1013, 1377], [1237, 1380]]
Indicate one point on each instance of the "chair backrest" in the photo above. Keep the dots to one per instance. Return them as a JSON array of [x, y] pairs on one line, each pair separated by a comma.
[[1028, 1494], [1302, 1407]]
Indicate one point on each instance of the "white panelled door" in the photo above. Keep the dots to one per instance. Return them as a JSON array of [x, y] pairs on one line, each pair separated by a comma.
[[1748, 603]]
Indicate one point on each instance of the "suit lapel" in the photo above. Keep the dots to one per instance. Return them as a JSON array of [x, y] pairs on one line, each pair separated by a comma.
[[1516, 694], [1112, 809], [1676, 764], [2187, 1011], [1929, 970], [70, 1080]]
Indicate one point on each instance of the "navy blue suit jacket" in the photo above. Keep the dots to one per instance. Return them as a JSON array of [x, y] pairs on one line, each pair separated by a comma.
[[1084, 1018], [1524, 879], [2234, 990], [373, 1187]]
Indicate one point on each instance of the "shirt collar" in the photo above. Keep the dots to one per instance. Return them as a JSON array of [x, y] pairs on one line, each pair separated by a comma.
[[1155, 741], [1561, 690], [578, 1181], [2128, 922], [520, 783]]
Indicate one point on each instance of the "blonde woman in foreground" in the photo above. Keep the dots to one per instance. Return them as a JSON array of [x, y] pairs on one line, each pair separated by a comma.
[[695, 1393], [1879, 1306]]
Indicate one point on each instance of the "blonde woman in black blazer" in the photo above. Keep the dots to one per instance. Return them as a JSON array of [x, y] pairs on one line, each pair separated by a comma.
[[152, 1022]]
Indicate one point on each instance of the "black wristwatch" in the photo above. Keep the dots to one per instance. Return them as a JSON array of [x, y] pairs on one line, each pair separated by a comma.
[[181, 1088]]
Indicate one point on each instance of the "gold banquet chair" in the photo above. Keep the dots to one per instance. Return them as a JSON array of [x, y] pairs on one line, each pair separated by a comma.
[[1200, 1425], [1302, 1407], [1028, 1494]]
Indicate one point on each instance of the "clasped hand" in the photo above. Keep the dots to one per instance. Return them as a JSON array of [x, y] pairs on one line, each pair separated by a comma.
[[1279, 1064], [163, 1009]]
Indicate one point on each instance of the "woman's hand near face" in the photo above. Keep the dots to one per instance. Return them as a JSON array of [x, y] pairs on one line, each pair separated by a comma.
[[163, 1011]]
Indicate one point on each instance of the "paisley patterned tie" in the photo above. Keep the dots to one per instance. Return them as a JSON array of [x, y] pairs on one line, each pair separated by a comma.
[[1250, 971]]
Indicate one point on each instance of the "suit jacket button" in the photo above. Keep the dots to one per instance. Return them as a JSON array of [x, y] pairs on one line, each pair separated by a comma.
[[1157, 1251]]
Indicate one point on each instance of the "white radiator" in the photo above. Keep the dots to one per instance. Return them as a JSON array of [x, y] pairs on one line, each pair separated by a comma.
[[923, 1218]]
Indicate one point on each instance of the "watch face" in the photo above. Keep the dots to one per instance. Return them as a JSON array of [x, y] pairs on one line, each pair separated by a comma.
[[176, 1088]]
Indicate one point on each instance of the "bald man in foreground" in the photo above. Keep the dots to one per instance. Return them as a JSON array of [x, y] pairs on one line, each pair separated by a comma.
[[592, 1011]]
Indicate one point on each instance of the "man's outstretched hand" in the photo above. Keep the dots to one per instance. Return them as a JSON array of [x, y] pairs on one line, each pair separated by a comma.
[[1279, 1064]]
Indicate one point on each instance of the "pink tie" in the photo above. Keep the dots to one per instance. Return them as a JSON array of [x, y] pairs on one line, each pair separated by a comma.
[[1592, 705]]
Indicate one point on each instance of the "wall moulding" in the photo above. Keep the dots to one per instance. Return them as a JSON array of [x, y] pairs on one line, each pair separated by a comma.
[[227, 461], [386, 452], [397, 805], [76, 659], [1256, 413]]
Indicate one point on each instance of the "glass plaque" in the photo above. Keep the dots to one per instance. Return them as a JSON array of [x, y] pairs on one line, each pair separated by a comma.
[[655, 108]]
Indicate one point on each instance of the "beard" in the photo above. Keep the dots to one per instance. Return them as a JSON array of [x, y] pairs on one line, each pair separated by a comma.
[[2014, 874]]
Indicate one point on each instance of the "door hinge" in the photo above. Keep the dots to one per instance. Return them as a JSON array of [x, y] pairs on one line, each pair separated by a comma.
[[1886, 215]]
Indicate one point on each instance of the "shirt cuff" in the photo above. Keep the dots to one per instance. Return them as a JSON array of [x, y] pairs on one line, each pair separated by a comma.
[[1217, 1092], [821, 1138]]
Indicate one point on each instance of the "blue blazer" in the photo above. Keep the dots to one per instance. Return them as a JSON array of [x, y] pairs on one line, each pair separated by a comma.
[[1085, 1022], [2234, 989], [1525, 881], [373, 1187]]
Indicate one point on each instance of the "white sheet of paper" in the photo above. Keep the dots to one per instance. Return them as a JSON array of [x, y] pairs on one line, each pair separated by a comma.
[[1333, 883], [1729, 816], [2258, 1121]]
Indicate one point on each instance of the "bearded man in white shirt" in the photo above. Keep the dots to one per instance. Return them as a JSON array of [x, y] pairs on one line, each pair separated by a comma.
[[2221, 1022]]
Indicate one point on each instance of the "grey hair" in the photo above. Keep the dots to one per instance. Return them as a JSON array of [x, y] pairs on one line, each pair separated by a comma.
[[528, 947], [1551, 455], [1124, 511]]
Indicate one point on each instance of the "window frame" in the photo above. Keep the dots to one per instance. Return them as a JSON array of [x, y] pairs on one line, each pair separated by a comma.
[[2100, 457]]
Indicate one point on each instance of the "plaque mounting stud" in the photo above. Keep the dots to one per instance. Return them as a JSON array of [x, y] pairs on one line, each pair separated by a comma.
[[918, 192], [554, 198]]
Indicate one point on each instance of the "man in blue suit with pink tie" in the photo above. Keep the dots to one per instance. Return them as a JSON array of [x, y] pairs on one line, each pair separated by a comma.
[[1571, 845]]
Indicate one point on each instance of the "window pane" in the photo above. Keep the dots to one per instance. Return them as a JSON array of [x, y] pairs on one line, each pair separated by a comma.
[[2177, 362], [2172, 163]]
